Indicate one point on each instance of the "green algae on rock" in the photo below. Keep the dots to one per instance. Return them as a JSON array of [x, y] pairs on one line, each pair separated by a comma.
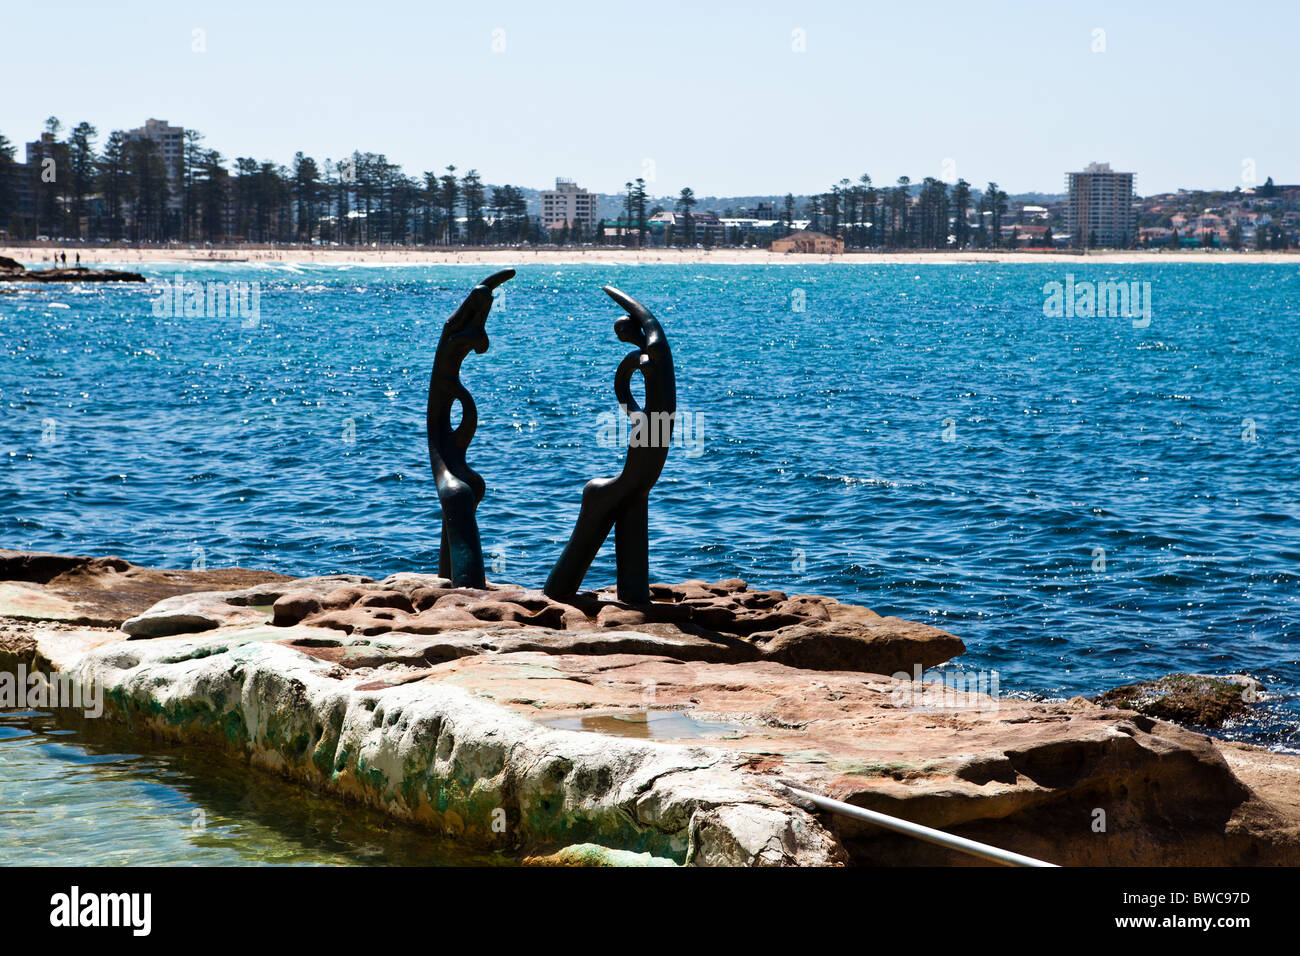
[[437, 756], [592, 854], [1202, 700]]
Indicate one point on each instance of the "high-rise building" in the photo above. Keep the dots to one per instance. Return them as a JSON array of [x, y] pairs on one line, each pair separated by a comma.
[[171, 147], [1100, 210], [170, 140], [568, 204], [39, 199]]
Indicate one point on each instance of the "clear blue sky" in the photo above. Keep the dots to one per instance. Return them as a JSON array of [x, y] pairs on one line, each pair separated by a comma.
[[712, 94]]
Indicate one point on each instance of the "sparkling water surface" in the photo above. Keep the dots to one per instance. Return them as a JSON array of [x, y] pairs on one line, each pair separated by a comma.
[[1079, 499]]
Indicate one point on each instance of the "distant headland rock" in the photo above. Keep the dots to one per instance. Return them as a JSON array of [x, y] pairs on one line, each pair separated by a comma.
[[13, 271]]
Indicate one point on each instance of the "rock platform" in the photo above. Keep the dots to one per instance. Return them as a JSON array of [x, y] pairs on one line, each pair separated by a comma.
[[13, 271], [597, 732]]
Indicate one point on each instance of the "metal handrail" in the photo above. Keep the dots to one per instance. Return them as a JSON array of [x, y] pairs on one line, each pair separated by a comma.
[[928, 834]]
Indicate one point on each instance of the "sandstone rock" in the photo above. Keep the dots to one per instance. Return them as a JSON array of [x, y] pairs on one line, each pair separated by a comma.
[[32, 602], [435, 755], [884, 646], [16, 647], [293, 606], [696, 589], [1016, 774], [824, 635], [447, 727], [803, 631], [453, 637], [619, 617], [410, 581], [189, 614], [204, 610], [1199, 699], [41, 567], [104, 592]]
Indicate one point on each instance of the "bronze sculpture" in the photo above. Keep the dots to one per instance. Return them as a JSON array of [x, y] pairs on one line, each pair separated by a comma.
[[622, 503], [460, 488]]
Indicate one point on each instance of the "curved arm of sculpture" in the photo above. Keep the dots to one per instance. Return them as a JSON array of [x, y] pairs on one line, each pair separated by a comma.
[[463, 333], [464, 432], [623, 380], [643, 329], [655, 359], [479, 301]]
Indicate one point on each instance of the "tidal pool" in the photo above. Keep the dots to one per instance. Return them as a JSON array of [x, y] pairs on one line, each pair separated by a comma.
[[92, 797], [647, 724]]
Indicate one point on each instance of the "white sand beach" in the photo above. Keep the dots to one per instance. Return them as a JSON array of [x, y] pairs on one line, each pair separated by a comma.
[[39, 256]]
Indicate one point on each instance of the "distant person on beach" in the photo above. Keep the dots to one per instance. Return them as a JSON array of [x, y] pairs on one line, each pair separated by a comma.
[[78, 260], [65, 258]]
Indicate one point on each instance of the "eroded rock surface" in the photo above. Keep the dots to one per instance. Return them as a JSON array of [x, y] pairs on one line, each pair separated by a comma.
[[723, 621], [101, 592], [1024, 776], [606, 734], [440, 755]]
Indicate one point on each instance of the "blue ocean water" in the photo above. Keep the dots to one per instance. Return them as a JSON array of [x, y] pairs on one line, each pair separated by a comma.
[[1085, 502]]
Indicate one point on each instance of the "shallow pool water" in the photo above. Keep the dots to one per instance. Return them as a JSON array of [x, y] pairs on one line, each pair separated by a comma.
[[647, 724], [91, 797]]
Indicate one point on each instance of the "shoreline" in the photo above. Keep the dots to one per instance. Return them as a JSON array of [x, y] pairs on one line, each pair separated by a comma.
[[38, 255]]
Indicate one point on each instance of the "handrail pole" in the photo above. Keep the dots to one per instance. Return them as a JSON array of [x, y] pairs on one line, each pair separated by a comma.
[[928, 834]]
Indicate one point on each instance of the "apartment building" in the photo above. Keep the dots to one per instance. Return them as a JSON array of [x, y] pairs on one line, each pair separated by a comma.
[[1099, 210], [567, 204], [170, 141]]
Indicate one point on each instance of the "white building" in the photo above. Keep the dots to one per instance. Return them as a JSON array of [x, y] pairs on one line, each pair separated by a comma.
[[568, 204]]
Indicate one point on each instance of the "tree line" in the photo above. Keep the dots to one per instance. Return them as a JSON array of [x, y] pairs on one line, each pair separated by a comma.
[[125, 190], [904, 216]]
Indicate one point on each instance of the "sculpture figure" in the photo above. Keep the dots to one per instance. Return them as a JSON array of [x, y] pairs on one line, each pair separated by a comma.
[[622, 503], [460, 488]]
